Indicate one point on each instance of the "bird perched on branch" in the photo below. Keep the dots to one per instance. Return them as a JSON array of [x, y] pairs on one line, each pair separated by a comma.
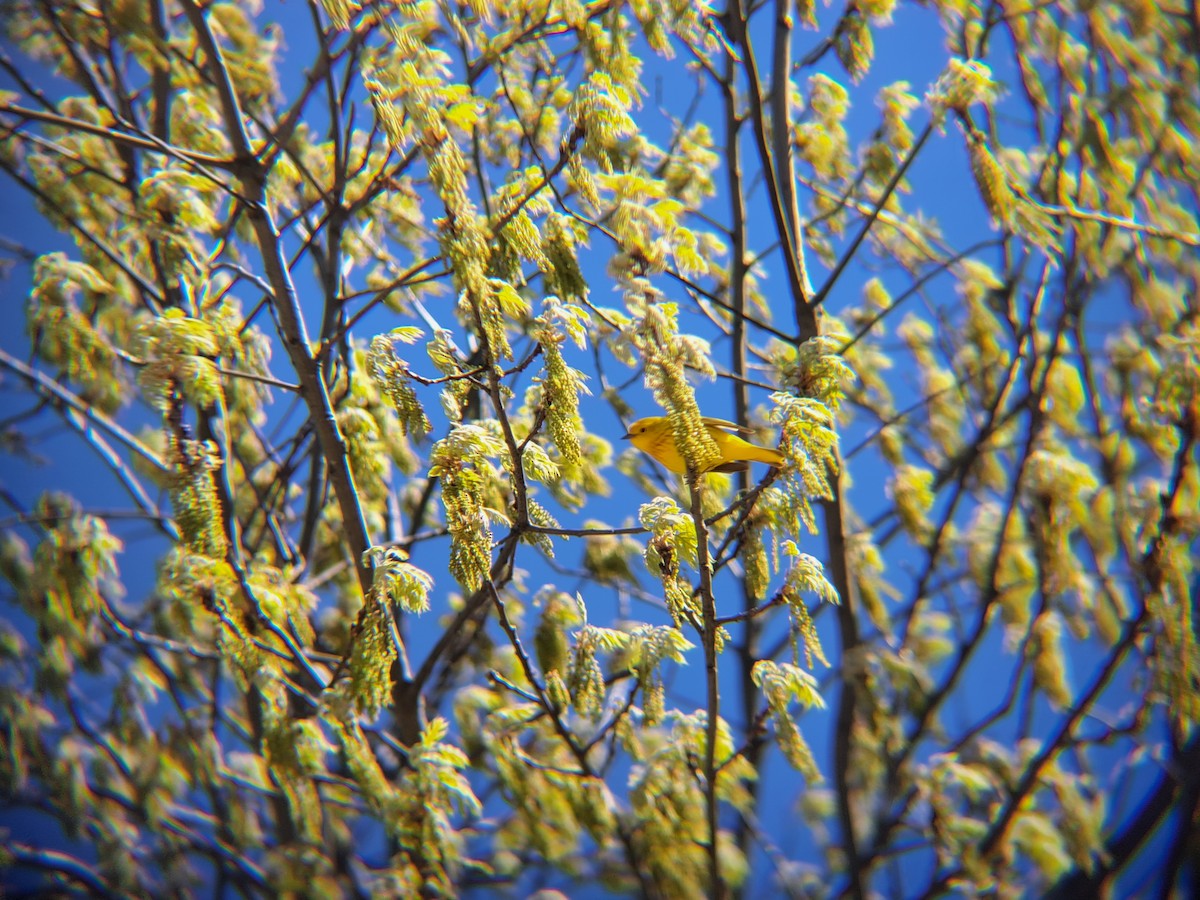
[[654, 435]]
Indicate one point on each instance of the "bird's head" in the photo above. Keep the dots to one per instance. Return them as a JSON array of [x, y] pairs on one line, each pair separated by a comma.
[[641, 426]]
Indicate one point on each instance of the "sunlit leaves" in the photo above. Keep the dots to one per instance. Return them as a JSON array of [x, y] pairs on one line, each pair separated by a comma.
[[823, 142], [755, 558], [1049, 662], [647, 648], [1176, 660], [992, 181], [895, 137], [986, 354], [292, 749], [391, 373], [518, 203], [669, 808], [64, 333], [962, 84], [816, 370], [550, 638], [538, 466], [608, 558], [193, 587], [563, 384], [808, 434], [805, 575], [461, 462], [540, 517], [782, 685], [179, 352], [585, 675], [73, 570], [369, 680], [340, 12], [1062, 488], [198, 511], [866, 562], [689, 171], [560, 239], [945, 416], [1001, 562], [1034, 834], [672, 544], [431, 791], [600, 114], [911, 490], [1178, 387], [648, 219], [855, 45], [181, 203], [556, 806], [400, 582], [953, 788], [365, 450], [408, 91]]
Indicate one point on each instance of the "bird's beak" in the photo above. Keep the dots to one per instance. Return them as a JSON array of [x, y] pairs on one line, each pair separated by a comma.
[[626, 436]]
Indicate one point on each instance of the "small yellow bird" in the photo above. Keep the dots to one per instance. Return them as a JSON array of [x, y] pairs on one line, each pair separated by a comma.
[[654, 435]]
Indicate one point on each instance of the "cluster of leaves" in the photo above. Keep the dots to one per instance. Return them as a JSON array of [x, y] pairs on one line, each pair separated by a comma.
[[235, 701]]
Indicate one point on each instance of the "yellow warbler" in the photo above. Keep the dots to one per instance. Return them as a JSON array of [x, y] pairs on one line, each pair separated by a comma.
[[655, 436]]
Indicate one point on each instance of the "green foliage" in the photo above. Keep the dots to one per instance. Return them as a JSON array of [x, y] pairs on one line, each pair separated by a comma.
[[962, 84], [671, 814], [809, 439], [400, 582], [64, 334], [782, 684], [805, 576], [563, 385], [194, 497], [855, 46], [65, 585], [394, 379], [178, 351], [434, 790], [371, 656], [671, 546], [647, 647], [460, 461], [366, 311]]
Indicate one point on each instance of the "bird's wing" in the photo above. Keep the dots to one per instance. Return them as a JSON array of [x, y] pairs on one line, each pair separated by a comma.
[[726, 425]]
